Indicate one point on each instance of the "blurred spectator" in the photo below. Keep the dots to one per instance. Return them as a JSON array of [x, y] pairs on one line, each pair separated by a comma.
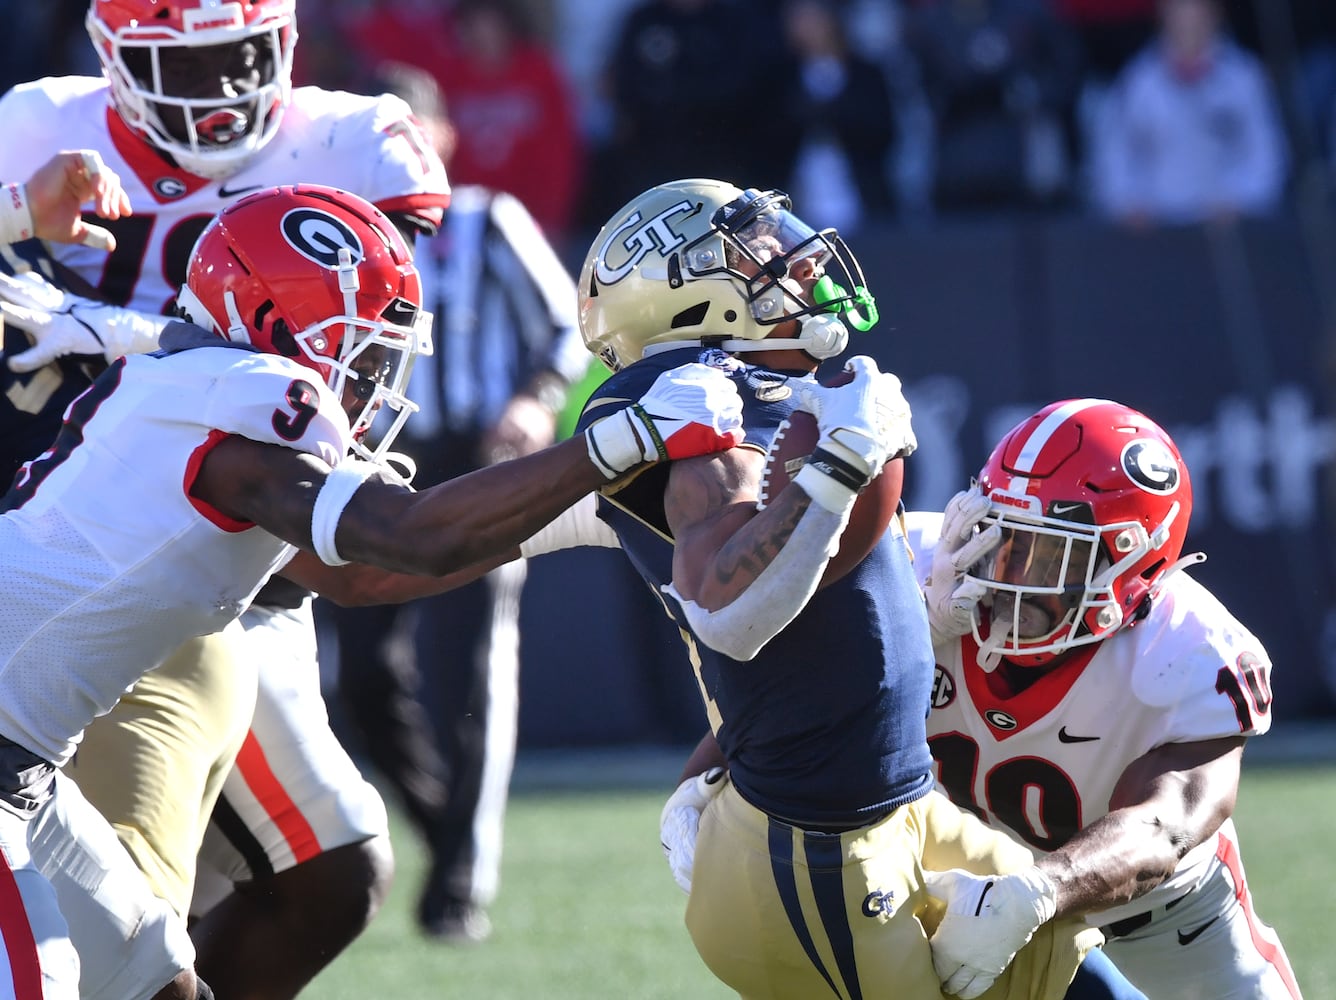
[[1002, 77], [432, 685], [833, 126], [1192, 130], [513, 111], [1111, 31], [44, 39], [1314, 29], [691, 84]]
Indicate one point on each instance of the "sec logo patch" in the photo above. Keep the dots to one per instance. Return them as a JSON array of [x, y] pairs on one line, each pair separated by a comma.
[[943, 689]]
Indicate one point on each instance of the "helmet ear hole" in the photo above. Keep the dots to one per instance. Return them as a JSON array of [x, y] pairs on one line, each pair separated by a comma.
[[691, 317], [283, 340]]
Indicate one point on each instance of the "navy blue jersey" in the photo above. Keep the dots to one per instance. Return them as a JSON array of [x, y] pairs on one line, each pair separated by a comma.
[[826, 726], [33, 405]]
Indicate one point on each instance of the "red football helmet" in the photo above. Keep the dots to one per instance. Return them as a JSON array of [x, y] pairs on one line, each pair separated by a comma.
[[1093, 500], [323, 277], [205, 81]]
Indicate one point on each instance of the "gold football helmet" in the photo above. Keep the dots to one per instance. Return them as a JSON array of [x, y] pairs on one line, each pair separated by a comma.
[[702, 261]]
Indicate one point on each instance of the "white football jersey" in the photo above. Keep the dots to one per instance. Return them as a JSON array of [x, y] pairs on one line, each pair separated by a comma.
[[1043, 763], [367, 145], [110, 563]]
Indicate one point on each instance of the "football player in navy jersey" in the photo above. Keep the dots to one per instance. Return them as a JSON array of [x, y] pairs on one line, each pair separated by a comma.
[[47, 207], [811, 846]]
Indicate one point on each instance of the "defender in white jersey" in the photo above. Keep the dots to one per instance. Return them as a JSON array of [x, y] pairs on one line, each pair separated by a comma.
[[1094, 701], [183, 480], [195, 110]]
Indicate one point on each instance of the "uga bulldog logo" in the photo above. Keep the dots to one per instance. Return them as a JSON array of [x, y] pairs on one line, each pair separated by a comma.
[[319, 236], [999, 719], [638, 236], [1149, 464]]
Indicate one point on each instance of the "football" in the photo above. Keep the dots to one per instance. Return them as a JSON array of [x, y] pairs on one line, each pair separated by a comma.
[[793, 442]]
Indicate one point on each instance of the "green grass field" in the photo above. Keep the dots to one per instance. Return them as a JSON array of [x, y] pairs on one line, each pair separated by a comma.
[[588, 911]]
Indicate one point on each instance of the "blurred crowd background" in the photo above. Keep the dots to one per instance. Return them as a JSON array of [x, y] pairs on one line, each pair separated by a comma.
[[867, 111]]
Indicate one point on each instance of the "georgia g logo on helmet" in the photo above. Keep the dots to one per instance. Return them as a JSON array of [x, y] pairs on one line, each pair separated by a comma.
[[1150, 465], [654, 234], [319, 236]]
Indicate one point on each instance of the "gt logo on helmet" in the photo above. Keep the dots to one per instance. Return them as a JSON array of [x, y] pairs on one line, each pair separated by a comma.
[[656, 234], [319, 236], [1150, 465]]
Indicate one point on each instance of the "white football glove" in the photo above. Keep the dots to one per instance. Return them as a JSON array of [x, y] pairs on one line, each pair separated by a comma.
[[862, 423], [691, 410], [951, 598], [680, 821], [64, 323], [988, 919]]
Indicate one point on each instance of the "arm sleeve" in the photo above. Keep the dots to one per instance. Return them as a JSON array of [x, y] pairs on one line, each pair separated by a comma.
[[741, 629]]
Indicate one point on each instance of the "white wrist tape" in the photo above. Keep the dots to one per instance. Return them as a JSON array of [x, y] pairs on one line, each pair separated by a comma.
[[579, 524], [739, 630], [339, 487], [835, 472], [614, 444], [15, 216]]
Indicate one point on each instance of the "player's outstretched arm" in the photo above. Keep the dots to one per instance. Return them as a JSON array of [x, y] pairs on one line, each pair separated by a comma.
[[355, 513], [47, 206]]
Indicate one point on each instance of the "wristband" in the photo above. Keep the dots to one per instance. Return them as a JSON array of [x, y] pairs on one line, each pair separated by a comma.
[[825, 490], [337, 490], [16, 222], [614, 445]]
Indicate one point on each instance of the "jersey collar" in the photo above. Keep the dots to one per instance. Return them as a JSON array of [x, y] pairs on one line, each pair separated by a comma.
[[165, 181], [1008, 711]]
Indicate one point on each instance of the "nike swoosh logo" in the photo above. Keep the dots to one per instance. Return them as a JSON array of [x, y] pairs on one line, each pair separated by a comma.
[[1066, 737], [1063, 508], [225, 193], [1191, 936]]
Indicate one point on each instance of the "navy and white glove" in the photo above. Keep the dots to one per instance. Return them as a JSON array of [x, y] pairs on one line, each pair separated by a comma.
[[861, 423], [63, 323], [680, 821], [988, 919], [691, 410], [951, 598]]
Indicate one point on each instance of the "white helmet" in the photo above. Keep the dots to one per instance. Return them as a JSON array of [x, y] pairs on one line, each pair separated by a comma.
[[703, 261], [159, 54]]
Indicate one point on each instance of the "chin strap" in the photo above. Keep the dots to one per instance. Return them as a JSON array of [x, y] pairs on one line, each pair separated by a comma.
[[823, 337], [990, 650]]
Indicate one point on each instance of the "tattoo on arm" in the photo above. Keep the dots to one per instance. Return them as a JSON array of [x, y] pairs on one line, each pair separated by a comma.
[[745, 556]]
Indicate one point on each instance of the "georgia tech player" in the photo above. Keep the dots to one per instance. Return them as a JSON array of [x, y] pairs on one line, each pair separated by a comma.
[[809, 863], [1094, 701], [183, 479], [195, 109]]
